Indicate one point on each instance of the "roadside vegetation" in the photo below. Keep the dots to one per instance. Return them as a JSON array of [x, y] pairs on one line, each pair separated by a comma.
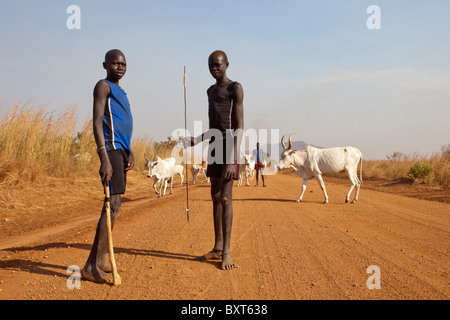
[[433, 169], [36, 144]]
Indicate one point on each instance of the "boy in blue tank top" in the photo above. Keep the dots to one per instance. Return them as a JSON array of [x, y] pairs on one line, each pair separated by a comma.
[[113, 127]]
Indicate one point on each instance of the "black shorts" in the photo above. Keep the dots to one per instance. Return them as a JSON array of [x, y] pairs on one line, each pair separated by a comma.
[[119, 161], [218, 169]]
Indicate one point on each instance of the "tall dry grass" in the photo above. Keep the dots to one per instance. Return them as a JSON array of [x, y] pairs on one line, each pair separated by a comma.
[[399, 167], [142, 146], [36, 144]]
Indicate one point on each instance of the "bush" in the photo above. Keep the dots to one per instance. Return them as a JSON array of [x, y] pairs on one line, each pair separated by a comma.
[[397, 156], [421, 170]]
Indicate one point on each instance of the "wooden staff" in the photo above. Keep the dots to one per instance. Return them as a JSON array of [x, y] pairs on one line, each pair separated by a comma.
[[116, 278], [185, 132]]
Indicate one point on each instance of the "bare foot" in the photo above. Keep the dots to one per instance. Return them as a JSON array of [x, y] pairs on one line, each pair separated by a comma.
[[95, 275], [212, 255], [106, 267], [227, 264]]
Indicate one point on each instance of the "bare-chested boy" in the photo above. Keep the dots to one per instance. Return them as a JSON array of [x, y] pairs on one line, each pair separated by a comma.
[[226, 116], [113, 127]]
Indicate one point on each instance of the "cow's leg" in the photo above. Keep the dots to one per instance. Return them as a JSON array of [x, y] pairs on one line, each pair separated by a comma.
[[352, 181], [353, 176], [171, 184], [165, 186], [241, 174], [207, 178], [182, 179], [162, 192], [358, 186], [154, 186], [353, 184], [347, 198], [159, 189], [322, 186], [304, 184]]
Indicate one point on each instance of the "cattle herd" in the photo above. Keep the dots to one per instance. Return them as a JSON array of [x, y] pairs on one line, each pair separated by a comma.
[[309, 162]]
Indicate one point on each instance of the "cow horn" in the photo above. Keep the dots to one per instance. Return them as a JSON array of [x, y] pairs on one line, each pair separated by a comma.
[[282, 142], [290, 141], [146, 157]]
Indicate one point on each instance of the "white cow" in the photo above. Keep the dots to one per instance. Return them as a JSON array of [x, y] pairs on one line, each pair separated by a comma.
[[313, 162], [197, 169], [247, 169], [163, 170], [179, 169]]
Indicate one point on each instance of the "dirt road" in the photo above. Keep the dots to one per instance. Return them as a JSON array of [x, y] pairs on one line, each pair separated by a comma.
[[284, 249]]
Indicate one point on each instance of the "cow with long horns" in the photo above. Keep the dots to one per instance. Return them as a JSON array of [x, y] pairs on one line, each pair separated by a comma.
[[313, 162]]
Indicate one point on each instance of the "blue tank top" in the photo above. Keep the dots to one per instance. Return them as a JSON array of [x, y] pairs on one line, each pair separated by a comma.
[[117, 121]]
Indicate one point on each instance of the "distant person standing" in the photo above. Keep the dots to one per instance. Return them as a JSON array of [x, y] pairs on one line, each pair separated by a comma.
[[258, 155], [113, 127]]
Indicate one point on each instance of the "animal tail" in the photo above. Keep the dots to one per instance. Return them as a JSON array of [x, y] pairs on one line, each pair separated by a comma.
[[360, 169]]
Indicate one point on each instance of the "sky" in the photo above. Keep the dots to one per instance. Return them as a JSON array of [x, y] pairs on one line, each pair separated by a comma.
[[309, 67]]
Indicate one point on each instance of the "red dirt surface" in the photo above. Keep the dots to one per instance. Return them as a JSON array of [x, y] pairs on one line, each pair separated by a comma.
[[285, 250]]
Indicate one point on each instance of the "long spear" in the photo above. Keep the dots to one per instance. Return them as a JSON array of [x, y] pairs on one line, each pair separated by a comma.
[[185, 133]]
